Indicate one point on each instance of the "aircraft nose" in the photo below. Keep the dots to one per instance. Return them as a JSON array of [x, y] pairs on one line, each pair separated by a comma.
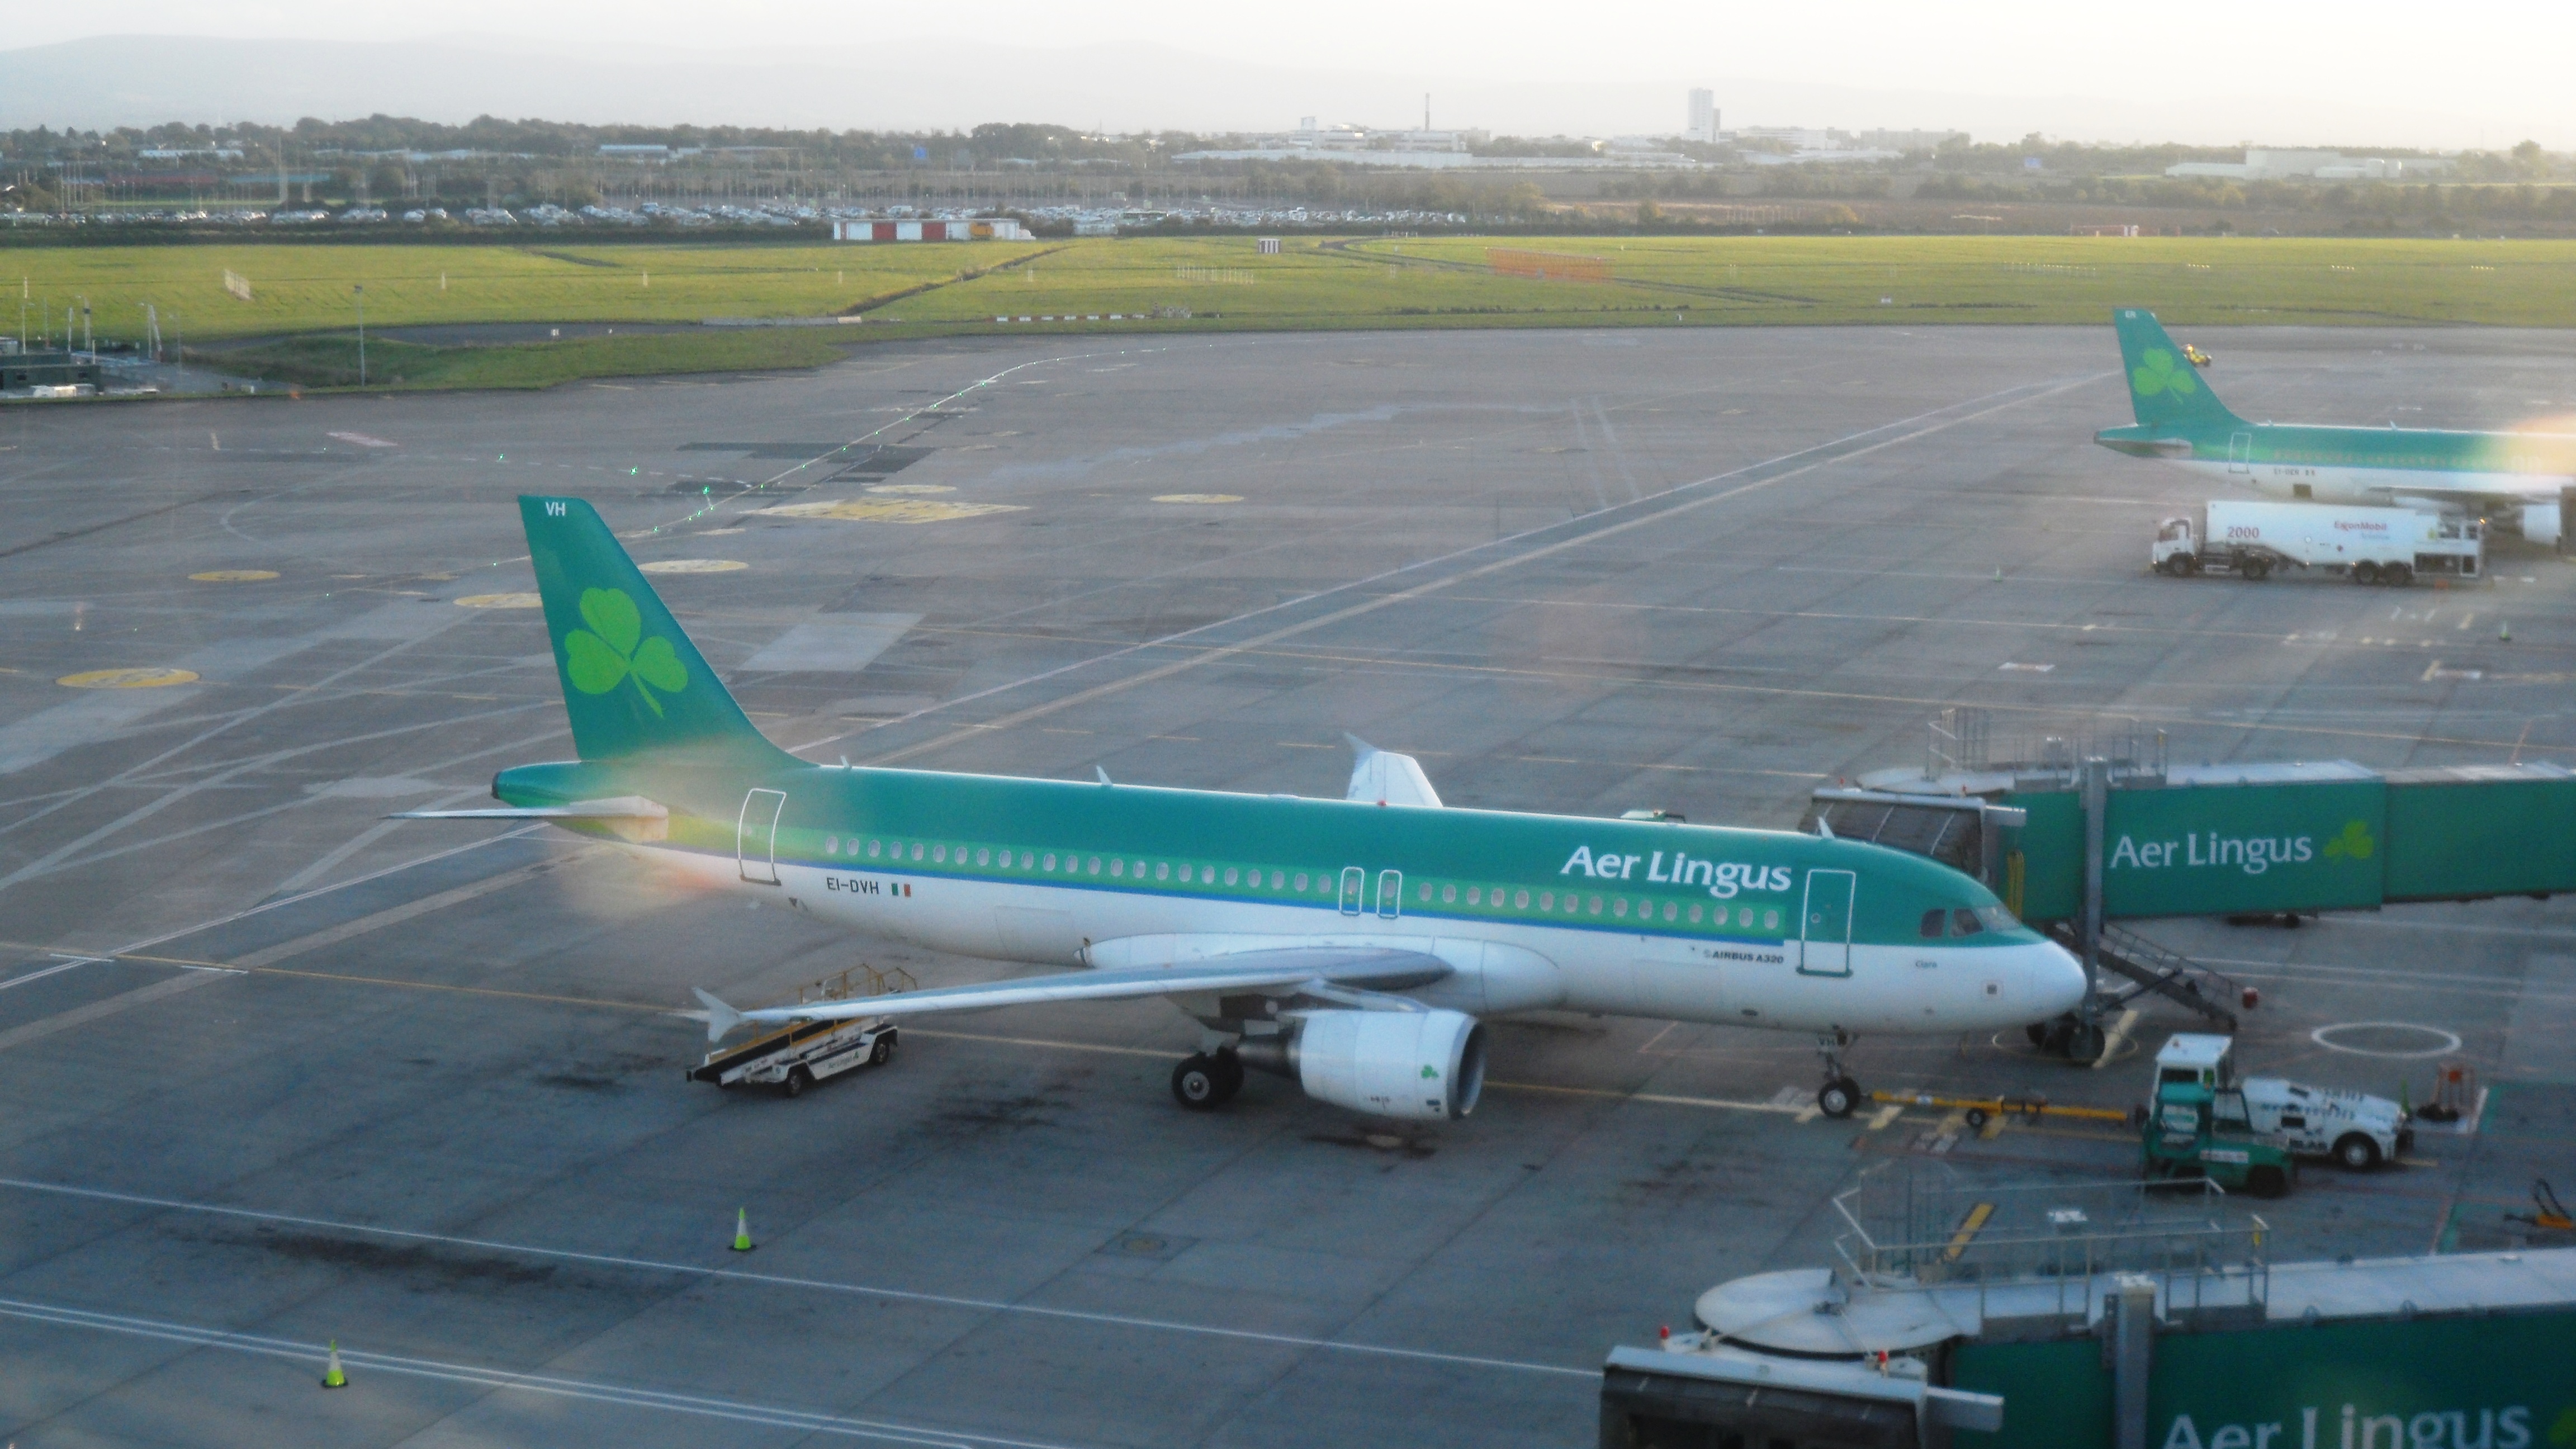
[[2057, 981]]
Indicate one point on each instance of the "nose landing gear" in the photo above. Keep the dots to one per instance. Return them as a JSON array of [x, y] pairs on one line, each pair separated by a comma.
[[1840, 1094]]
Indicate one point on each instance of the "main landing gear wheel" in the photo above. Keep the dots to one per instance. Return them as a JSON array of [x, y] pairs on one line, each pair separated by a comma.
[[1838, 1097], [1204, 1083]]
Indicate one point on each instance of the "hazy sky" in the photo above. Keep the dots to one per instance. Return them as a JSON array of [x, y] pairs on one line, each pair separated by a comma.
[[2474, 73]]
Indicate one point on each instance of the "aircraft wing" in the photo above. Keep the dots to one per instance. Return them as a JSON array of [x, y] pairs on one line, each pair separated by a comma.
[[623, 807], [1327, 967]]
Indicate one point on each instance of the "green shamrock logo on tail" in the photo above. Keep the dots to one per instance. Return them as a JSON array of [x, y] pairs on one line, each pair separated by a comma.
[[2354, 844], [2159, 374], [613, 649]]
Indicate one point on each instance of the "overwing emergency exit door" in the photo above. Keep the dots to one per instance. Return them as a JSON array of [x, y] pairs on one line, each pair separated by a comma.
[[1826, 949], [756, 836]]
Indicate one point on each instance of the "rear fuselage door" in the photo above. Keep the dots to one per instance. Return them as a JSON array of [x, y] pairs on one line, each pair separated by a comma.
[[1826, 949], [2240, 453], [1354, 889], [756, 836]]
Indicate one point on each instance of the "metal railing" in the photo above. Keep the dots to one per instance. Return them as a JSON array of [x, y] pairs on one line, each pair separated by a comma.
[[2050, 1251], [1961, 740]]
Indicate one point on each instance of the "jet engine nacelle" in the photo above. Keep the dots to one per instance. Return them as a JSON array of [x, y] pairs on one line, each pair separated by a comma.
[[1419, 1066], [2541, 523]]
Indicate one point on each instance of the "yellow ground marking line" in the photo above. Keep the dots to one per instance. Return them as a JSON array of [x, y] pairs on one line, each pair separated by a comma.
[[1879, 1120], [2119, 1033], [1969, 1227]]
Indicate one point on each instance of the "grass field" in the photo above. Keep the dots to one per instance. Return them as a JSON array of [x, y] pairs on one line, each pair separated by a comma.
[[332, 361], [1784, 280], [307, 288], [1312, 283]]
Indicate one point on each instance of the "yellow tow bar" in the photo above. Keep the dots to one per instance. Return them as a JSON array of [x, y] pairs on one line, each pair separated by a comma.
[[1982, 1109]]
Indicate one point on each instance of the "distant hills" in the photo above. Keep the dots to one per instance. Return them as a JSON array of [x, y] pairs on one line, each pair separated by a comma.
[[910, 85]]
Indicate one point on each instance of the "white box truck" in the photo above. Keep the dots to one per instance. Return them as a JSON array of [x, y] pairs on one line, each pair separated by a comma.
[[2368, 545]]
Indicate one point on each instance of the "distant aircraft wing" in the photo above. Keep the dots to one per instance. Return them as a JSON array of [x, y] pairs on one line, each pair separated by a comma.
[[623, 807], [1331, 967], [1383, 777]]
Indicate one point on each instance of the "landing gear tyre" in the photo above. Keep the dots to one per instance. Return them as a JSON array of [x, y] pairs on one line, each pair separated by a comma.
[[882, 1051], [1838, 1097], [2365, 572], [2356, 1153], [2267, 1182], [1202, 1084], [2397, 576], [798, 1079], [2085, 1043]]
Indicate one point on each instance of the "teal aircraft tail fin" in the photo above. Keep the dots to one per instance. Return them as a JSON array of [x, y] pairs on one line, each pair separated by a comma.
[[632, 682], [2164, 387]]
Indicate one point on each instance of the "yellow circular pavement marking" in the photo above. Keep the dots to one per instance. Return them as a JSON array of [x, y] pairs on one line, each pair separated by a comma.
[[1198, 498], [911, 488], [694, 566], [500, 601], [128, 678], [233, 576]]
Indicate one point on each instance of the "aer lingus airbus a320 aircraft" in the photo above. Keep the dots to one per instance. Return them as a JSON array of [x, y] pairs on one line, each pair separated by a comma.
[[2520, 478], [1351, 945]]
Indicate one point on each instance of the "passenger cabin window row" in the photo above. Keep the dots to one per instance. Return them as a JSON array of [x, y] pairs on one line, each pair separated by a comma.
[[1321, 883]]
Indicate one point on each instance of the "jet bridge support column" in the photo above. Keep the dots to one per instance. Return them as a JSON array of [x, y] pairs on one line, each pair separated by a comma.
[[2097, 794], [2132, 1311]]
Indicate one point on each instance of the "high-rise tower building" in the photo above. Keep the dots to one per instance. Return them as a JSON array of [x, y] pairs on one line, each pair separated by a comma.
[[1703, 115]]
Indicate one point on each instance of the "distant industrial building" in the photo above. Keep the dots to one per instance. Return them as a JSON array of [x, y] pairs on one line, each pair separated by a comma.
[[999, 229], [1703, 116], [2263, 165], [25, 373]]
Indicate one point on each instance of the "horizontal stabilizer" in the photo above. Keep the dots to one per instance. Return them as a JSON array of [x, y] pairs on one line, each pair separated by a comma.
[[1323, 966], [1383, 777], [720, 1017], [622, 807]]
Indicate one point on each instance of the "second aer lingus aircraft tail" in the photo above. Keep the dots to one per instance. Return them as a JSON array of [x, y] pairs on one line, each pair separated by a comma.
[[1352, 945], [2520, 478], [2164, 388]]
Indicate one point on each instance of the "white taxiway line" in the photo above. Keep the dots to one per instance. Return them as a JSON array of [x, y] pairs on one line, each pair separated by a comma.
[[821, 1285], [50, 970], [361, 1362]]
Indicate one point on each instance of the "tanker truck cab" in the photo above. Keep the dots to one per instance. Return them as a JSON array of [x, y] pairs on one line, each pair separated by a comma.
[[2357, 1130]]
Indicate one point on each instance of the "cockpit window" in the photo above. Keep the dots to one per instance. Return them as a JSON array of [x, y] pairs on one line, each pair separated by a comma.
[[1932, 923], [1964, 922], [1997, 918]]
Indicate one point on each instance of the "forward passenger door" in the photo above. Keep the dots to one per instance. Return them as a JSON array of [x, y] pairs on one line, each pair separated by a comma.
[[1825, 944]]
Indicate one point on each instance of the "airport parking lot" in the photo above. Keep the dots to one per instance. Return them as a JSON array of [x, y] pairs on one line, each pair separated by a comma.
[[277, 1072]]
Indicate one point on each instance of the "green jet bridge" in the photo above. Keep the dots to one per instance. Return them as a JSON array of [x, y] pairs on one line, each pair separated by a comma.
[[2077, 833], [2103, 1316]]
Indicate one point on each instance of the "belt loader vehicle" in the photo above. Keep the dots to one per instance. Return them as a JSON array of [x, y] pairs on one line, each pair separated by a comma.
[[2367, 545]]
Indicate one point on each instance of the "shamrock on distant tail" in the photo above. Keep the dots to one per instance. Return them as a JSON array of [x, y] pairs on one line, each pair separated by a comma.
[[613, 649], [2157, 373]]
